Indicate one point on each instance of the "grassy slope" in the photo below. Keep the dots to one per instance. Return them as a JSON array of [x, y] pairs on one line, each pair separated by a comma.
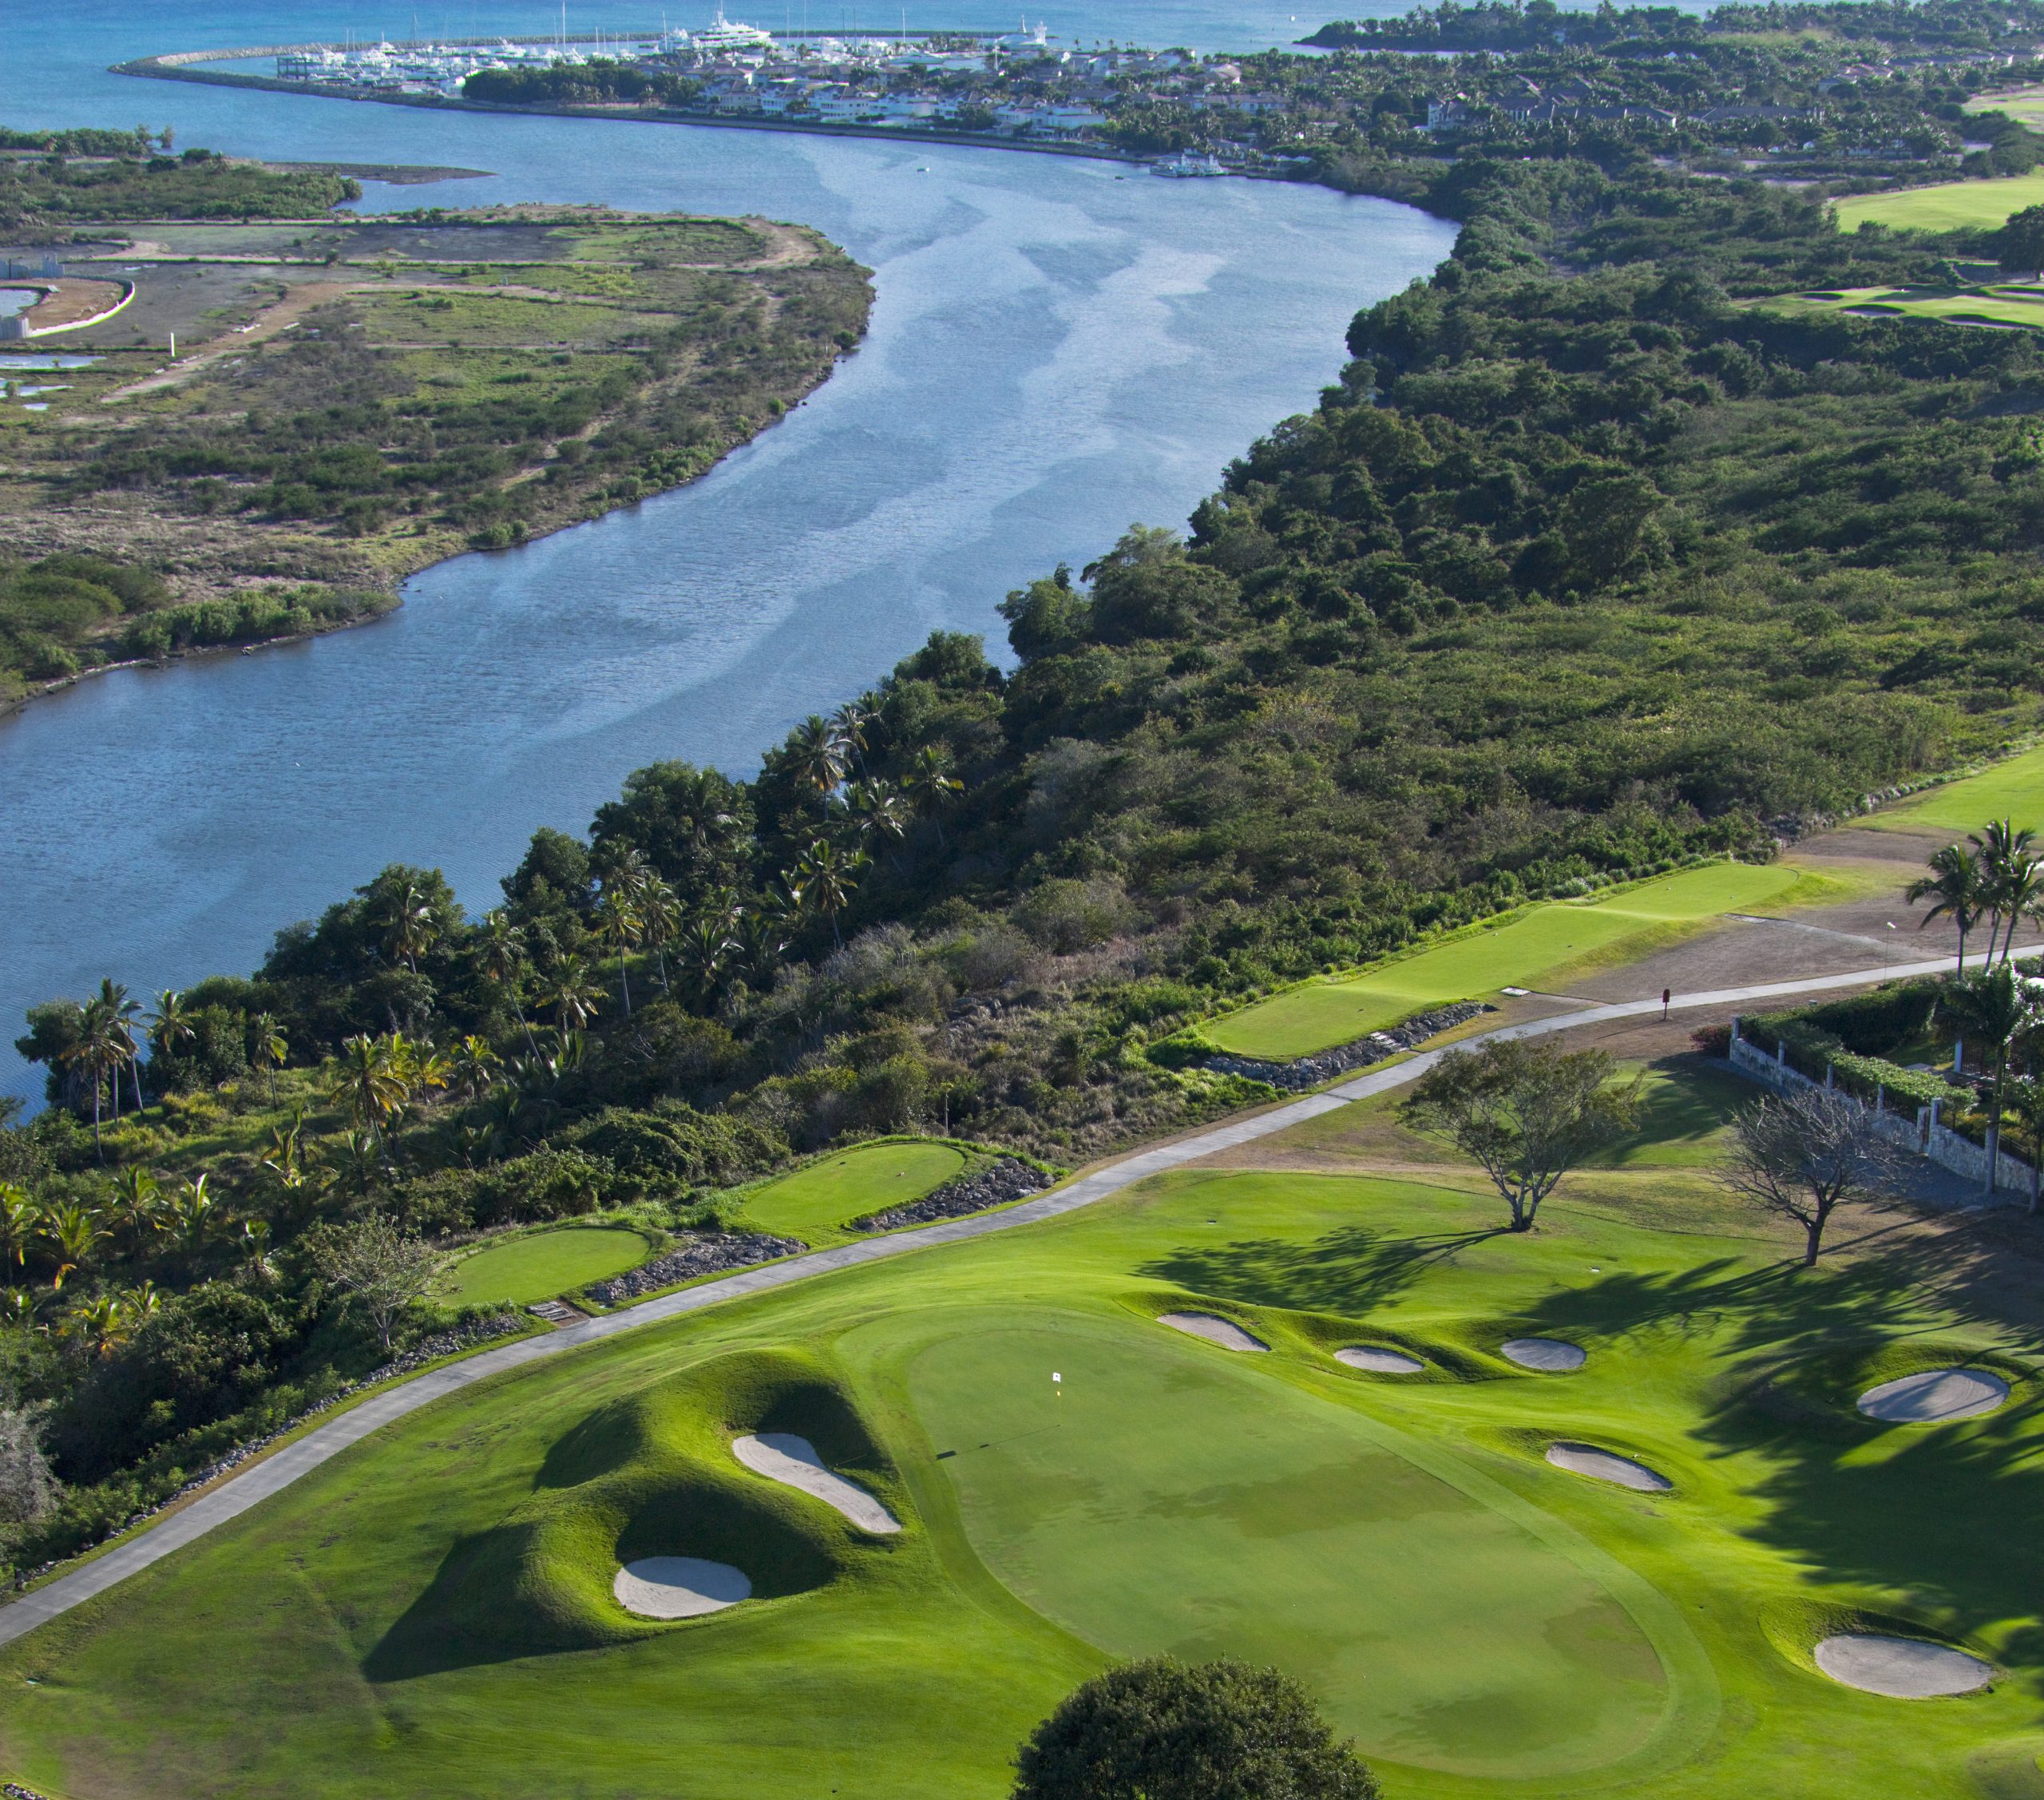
[[817, 1202], [1992, 303], [2013, 790], [1533, 946], [545, 1263], [1401, 1546], [1948, 206]]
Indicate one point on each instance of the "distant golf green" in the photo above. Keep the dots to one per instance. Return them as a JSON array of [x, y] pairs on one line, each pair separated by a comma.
[[1948, 206], [428, 1616], [542, 1264], [2013, 790], [816, 1203], [1476, 964]]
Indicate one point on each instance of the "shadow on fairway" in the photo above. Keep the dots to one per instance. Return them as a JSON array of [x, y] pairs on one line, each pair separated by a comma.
[[1349, 1271]]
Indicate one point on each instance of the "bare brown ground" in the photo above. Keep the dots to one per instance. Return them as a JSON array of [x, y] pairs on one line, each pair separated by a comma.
[[267, 323], [72, 299]]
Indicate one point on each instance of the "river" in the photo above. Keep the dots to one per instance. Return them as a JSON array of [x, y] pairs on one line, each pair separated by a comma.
[[1058, 348]]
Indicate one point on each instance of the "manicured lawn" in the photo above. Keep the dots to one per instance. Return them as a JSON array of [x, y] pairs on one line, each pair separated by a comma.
[[428, 1613], [816, 1203], [2012, 789], [1533, 948], [543, 1264], [1993, 304], [1948, 206]]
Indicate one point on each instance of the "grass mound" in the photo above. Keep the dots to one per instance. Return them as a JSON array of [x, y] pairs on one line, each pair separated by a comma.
[[542, 1264], [817, 1204], [650, 1475]]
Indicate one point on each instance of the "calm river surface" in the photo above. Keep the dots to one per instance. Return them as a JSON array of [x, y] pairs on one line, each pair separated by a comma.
[[1059, 347]]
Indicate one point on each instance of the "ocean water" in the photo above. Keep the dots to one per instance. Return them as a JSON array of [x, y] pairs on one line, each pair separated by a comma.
[[1059, 347]]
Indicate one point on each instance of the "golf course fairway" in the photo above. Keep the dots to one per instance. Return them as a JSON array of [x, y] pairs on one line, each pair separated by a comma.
[[429, 1614], [1529, 947], [540, 1265], [2013, 790], [817, 1203]]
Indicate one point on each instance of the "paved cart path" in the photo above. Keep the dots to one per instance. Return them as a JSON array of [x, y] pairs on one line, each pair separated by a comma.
[[238, 1491]]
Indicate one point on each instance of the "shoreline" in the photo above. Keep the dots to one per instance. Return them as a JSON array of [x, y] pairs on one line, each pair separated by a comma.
[[162, 68]]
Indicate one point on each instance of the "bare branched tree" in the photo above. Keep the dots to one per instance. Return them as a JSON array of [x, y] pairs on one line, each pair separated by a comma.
[[383, 1270], [1529, 1114], [1804, 1155]]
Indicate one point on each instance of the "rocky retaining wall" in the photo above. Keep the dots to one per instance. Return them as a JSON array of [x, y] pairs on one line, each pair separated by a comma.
[[709, 1254], [1007, 1180]]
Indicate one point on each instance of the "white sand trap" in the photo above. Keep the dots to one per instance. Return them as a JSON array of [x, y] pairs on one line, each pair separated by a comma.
[[1602, 1465], [1902, 1668], [1936, 1395], [679, 1587], [1379, 1361], [1222, 1331], [1550, 1353], [781, 1456]]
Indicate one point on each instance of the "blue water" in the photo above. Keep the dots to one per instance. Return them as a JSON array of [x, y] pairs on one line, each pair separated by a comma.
[[1059, 348]]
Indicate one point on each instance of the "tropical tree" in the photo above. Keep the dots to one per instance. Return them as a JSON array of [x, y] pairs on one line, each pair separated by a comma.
[[816, 755], [848, 725], [1527, 1113], [20, 1224], [370, 1080], [93, 1056], [762, 940], [703, 953], [1958, 891], [191, 1214], [137, 1201], [929, 784], [270, 1046], [1994, 1008], [27, 1490], [828, 878], [617, 924], [2022, 896], [409, 929], [74, 1232], [472, 1069], [503, 962], [383, 1270], [121, 1013], [284, 1158], [1998, 849], [96, 1322], [659, 918], [879, 812], [573, 996], [170, 1024]]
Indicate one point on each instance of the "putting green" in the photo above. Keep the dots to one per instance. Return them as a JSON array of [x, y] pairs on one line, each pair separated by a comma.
[[1529, 948], [816, 1203], [1172, 1501], [542, 1264], [2012, 789], [1949, 206]]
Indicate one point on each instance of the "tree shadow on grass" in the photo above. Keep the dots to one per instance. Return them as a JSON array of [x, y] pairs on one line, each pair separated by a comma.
[[1350, 1270], [1941, 1516]]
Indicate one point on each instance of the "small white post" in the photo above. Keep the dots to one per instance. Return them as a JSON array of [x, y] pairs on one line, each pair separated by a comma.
[[173, 347]]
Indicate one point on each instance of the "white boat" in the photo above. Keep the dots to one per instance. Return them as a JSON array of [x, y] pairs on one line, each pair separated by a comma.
[[721, 34], [1185, 163]]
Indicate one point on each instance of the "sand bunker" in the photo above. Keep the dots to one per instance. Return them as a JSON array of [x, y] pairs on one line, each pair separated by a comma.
[[1379, 1361], [1550, 1353], [1902, 1668], [1222, 1331], [679, 1587], [1933, 1396], [1602, 1465], [781, 1456]]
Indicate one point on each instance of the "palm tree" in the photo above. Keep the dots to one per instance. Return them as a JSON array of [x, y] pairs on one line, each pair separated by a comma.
[[617, 924], [2022, 896], [92, 1055], [73, 1229], [659, 917], [763, 940], [848, 724], [271, 1048], [504, 962], [829, 880], [370, 1080], [1994, 1007], [192, 1213], [879, 812], [137, 1201], [573, 996], [121, 1013], [20, 1224], [930, 782], [409, 929], [1998, 849], [1959, 889], [704, 949], [472, 1069], [170, 1024], [98, 1322], [817, 754], [283, 1160]]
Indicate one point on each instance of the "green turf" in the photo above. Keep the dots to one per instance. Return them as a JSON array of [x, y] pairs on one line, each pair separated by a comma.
[[2012, 789], [1994, 303], [1948, 206], [542, 1264], [1529, 949], [816, 1203], [427, 1614]]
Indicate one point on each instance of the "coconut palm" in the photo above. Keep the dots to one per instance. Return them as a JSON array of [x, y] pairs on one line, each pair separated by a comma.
[[95, 1324], [170, 1024], [121, 1013], [503, 962], [409, 929], [572, 995], [928, 783], [93, 1055], [1996, 1008], [816, 755], [20, 1222], [474, 1067], [617, 924], [848, 723], [270, 1046], [1959, 890], [659, 917], [370, 1080], [704, 952], [283, 1159], [1997, 850], [138, 1202], [762, 940], [879, 812], [191, 1214], [2022, 896], [74, 1232], [829, 879]]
